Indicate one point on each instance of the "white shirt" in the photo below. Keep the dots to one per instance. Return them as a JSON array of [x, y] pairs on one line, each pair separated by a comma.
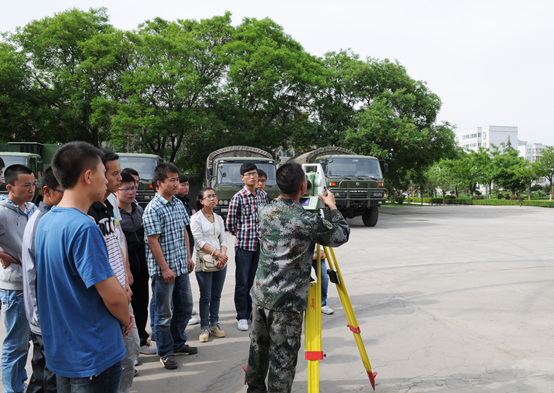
[[205, 232]]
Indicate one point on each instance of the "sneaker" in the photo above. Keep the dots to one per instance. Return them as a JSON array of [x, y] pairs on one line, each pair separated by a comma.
[[327, 310], [216, 330], [136, 373], [186, 350], [242, 324], [204, 336], [193, 312], [169, 362], [194, 321], [137, 363], [148, 349]]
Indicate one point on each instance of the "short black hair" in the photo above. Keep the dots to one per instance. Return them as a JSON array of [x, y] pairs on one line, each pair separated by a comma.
[[200, 196], [72, 159], [290, 177], [183, 178], [247, 167], [261, 173], [161, 171], [127, 178], [48, 179], [109, 156], [130, 171], [2, 165], [13, 171]]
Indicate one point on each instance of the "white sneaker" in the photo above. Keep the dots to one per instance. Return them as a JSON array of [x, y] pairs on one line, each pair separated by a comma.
[[204, 335], [327, 310], [193, 312], [148, 349], [194, 321], [242, 324]]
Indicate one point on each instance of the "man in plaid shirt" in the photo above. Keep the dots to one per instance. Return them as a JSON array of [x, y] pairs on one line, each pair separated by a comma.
[[169, 265], [242, 222]]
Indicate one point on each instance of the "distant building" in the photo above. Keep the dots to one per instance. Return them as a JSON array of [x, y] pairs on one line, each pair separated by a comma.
[[477, 137], [531, 151]]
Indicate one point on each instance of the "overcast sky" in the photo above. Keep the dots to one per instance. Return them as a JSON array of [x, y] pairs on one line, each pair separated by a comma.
[[490, 62]]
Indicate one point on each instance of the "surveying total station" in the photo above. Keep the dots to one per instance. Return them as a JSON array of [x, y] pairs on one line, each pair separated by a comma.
[[313, 350]]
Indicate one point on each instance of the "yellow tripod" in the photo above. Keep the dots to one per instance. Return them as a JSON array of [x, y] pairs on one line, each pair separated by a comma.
[[313, 352]]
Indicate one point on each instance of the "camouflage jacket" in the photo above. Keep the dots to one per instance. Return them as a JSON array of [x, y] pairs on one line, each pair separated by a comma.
[[289, 235]]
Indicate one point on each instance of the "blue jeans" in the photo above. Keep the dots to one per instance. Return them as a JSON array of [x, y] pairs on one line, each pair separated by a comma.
[[169, 330], [245, 273], [16, 342], [211, 285], [105, 382], [324, 280]]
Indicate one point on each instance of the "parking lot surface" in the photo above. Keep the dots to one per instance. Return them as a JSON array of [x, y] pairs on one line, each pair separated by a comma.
[[448, 298]]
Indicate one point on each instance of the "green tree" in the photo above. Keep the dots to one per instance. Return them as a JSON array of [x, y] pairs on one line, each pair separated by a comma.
[[53, 49], [440, 177], [269, 88], [546, 166], [384, 113], [162, 101], [20, 108], [505, 164], [529, 172]]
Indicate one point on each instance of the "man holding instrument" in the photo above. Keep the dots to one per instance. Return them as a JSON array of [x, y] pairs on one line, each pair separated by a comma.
[[280, 290]]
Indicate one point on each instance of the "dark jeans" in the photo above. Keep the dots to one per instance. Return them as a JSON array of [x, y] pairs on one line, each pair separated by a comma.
[[140, 302], [324, 280], [105, 382], [211, 285], [245, 273], [169, 330], [42, 380]]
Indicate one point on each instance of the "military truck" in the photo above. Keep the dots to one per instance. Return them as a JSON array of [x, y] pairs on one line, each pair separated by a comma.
[[223, 173], [36, 156], [356, 181], [144, 164]]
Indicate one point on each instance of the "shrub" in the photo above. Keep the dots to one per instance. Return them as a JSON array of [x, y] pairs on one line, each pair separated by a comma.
[[450, 197], [477, 197]]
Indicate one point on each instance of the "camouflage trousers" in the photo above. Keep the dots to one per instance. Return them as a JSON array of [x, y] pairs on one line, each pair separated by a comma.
[[274, 344]]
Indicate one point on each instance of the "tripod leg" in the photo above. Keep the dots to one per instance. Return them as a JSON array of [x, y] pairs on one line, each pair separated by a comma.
[[349, 311], [312, 344]]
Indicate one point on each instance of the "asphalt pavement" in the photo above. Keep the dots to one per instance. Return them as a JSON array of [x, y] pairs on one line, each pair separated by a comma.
[[448, 298]]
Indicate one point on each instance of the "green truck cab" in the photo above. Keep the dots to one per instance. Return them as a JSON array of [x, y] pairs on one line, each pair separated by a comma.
[[144, 164], [223, 173], [356, 181], [36, 156]]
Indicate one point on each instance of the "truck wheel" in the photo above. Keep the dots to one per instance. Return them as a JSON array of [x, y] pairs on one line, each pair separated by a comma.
[[370, 216]]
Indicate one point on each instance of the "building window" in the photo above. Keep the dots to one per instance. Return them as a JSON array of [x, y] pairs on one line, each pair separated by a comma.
[[484, 135]]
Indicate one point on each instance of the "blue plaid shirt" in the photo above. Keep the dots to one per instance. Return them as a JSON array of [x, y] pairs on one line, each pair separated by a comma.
[[167, 219], [242, 219]]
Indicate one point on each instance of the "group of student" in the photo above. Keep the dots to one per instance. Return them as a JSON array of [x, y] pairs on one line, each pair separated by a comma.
[[93, 316]]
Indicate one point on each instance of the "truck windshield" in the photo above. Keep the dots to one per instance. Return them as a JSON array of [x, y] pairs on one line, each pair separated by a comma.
[[355, 167], [143, 165], [229, 173], [10, 160]]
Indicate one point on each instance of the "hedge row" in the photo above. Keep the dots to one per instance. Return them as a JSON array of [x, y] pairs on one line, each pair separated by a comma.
[[486, 202]]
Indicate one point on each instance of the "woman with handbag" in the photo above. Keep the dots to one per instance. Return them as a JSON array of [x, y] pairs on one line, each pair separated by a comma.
[[210, 243]]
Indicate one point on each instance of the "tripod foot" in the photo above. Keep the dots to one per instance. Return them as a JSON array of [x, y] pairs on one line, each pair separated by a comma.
[[372, 378], [244, 368]]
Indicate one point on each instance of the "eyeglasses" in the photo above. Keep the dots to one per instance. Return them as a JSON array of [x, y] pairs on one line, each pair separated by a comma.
[[55, 189], [262, 181], [134, 189], [251, 174], [213, 196]]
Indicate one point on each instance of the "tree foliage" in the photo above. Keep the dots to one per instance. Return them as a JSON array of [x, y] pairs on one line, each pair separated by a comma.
[[183, 88]]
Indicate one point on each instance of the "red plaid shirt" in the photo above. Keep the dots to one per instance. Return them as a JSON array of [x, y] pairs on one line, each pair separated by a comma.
[[242, 219]]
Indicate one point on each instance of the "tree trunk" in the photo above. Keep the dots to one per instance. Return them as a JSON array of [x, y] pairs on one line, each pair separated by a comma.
[[529, 196]]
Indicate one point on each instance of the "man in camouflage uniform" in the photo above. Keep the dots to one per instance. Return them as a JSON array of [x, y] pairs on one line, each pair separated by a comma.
[[280, 291]]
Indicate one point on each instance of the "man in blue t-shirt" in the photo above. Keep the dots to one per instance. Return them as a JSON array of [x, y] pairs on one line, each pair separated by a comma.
[[82, 306]]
